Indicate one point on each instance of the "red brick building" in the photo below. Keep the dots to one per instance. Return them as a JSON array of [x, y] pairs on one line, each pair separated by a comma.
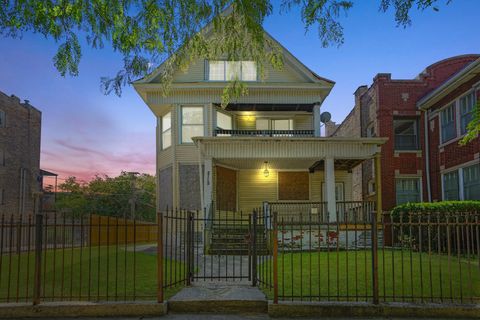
[[414, 161]]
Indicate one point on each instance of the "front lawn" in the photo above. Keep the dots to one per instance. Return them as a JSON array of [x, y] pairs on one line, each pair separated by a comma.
[[417, 275], [96, 273]]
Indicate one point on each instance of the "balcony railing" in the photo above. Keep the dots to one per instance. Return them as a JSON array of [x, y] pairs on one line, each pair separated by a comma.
[[263, 133]]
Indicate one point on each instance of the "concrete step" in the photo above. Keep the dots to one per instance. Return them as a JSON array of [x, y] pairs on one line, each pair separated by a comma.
[[219, 298]]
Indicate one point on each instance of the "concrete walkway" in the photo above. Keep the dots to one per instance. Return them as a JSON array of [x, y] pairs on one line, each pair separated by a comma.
[[219, 297]]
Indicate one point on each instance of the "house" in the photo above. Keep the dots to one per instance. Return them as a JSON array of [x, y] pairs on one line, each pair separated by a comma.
[[262, 148], [416, 163], [20, 126]]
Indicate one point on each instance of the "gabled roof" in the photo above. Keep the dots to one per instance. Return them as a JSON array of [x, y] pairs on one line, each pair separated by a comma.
[[289, 57]]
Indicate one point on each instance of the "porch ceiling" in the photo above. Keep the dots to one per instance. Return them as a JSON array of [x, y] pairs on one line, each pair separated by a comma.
[[287, 152], [273, 164]]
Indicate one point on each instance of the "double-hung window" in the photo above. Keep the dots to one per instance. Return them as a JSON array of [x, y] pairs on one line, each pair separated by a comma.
[[406, 134], [407, 190], [192, 123], [448, 123], [166, 131], [466, 111], [471, 182], [450, 186], [232, 70]]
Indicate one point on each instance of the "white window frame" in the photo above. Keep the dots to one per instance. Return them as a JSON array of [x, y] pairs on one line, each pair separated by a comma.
[[341, 186], [460, 115], [452, 105], [193, 124], [416, 130], [225, 67], [459, 170], [406, 177], [163, 130]]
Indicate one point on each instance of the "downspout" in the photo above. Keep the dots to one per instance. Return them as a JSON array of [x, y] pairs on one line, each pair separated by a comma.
[[427, 155]]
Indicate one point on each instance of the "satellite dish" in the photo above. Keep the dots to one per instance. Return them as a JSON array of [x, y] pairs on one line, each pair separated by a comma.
[[325, 117]]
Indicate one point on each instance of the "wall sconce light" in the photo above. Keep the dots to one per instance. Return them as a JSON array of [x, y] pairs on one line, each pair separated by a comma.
[[266, 173]]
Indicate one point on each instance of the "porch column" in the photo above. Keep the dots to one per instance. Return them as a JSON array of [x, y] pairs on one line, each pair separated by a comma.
[[330, 189], [207, 185], [316, 120]]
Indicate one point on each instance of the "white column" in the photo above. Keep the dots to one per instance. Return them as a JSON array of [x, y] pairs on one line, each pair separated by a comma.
[[316, 120], [330, 189], [207, 185]]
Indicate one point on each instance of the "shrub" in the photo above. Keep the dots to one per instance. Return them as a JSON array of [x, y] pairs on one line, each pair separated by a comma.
[[437, 207]]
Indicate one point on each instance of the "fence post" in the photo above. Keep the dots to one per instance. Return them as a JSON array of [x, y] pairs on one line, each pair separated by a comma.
[[375, 258], [159, 257], [275, 259], [189, 247], [38, 257], [254, 248]]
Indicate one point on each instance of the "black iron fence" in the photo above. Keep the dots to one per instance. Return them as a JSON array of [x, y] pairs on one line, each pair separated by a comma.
[[413, 257], [410, 257]]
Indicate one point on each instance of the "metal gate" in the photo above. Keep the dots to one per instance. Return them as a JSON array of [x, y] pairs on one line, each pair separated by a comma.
[[225, 246]]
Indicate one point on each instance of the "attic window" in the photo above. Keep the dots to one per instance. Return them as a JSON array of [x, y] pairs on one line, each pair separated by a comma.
[[230, 70]]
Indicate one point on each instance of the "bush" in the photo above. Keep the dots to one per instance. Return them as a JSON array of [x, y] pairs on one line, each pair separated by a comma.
[[437, 207]]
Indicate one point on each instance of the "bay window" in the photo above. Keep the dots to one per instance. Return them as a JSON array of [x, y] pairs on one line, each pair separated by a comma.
[[192, 123]]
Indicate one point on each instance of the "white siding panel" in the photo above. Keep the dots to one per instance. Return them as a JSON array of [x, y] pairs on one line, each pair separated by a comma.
[[254, 188], [303, 122]]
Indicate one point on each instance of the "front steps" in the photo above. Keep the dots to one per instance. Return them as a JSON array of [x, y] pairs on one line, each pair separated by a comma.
[[235, 239]]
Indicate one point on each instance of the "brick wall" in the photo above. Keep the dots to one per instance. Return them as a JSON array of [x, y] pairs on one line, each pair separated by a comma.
[[387, 99], [20, 143]]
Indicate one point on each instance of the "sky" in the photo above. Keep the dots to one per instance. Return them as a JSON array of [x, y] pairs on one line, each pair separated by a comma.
[[85, 132]]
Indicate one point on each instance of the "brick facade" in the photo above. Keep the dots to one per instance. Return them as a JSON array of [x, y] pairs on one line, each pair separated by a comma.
[[20, 150], [386, 100]]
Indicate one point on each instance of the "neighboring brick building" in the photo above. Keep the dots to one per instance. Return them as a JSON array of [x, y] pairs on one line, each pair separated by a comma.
[[389, 108], [20, 125]]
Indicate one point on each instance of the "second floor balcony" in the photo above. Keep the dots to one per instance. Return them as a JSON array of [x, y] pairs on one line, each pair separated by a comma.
[[262, 133]]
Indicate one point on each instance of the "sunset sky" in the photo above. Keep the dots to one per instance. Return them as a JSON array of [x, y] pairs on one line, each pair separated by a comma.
[[85, 132]]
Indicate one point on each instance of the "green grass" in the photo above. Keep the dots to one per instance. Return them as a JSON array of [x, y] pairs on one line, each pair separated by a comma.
[[86, 275], [315, 274]]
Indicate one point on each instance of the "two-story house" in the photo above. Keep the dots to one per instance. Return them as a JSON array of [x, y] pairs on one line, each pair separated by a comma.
[[263, 147]]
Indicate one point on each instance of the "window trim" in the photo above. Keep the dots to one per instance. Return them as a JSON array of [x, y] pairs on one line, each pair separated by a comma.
[[453, 105], [180, 118], [456, 103], [459, 169], [410, 177], [417, 134], [460, 116], [162, 131], [207, 70]]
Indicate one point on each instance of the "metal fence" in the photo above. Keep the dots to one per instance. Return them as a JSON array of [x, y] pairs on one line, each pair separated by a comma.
[[62, 257], [409, 257]]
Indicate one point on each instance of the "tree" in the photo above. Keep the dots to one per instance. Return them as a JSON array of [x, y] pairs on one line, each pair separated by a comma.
[[111, 196], [146, 32]]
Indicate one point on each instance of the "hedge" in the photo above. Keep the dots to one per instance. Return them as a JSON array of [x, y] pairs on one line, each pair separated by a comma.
[[440, 207]]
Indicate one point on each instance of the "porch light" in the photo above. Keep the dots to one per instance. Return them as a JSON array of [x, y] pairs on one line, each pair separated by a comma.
[[266, 173]]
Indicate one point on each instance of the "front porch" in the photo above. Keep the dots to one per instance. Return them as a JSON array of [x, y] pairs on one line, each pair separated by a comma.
[[292, 176]]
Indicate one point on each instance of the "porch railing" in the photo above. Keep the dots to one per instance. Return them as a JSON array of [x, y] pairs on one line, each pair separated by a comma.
[[317, 212], [263, 133]]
